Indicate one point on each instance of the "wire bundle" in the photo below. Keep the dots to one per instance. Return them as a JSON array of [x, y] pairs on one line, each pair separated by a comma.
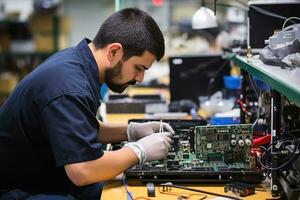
[[287, 151]]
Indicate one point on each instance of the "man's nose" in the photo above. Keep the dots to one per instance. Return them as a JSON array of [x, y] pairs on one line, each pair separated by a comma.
[[140, 76]]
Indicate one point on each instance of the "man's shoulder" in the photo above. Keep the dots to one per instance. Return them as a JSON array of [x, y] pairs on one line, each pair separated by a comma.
[[67, 54], [61, 64], [61, 74]]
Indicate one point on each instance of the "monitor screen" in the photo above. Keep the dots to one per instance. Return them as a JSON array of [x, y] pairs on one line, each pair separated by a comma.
[[194, 76], [267, 17]]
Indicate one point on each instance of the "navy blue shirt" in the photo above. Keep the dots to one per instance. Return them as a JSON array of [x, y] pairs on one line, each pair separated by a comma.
[[49, 121]]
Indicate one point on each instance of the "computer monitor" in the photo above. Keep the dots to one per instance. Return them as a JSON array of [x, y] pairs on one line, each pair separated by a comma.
[[265, 17], [194, 76]]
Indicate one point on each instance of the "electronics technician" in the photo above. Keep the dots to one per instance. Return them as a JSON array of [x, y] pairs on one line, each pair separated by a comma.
[[50, 139]]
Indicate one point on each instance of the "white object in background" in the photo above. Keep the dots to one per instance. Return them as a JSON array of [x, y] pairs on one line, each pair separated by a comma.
[[235, 15], [217, 104], [23, 7], [223, 39], [20, 46], [232, 113], [2, 11], [156, 108], [285, 36], [173, 115], [204, 18]]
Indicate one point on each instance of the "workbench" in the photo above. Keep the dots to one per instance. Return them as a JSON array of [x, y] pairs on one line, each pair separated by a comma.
[[114, 189]]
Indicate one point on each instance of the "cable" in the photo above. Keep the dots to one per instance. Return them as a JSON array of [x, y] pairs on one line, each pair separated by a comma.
[[287, 133], [237, 4], [261, 140], [275, 168], [140, 198], [286, 161], [258, 110], [161, 127], [124, 184], [288, 20], [167, 191], [294, 131], [215, 7], [214, 77], [258, 93], [268, 13], [197, 190], [261, 190], [253, 85]]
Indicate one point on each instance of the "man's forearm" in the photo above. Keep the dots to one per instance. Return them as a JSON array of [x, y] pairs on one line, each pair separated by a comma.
[[111, 164], [111, 133]]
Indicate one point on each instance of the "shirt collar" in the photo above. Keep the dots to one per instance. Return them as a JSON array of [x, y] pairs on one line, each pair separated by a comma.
[[89, 59]]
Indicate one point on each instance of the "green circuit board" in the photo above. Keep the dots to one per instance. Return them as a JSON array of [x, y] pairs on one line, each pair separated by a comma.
[[203, 154], [213, 147], [229, 145]]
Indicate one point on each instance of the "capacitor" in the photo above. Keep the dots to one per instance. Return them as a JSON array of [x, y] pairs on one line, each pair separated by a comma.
[[233, 142], [248, 142], [241, 143]]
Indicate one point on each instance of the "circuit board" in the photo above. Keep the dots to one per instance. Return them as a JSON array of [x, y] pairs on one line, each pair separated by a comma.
[[228, 146], [203, 154]]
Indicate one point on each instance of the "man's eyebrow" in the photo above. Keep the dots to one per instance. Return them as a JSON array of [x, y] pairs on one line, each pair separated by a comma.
[[143, 66]]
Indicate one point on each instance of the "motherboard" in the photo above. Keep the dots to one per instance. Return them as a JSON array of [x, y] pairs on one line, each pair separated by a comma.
[[224, 146], [203, 154]]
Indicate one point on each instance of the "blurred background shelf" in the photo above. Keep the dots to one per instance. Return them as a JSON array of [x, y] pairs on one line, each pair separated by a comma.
[[284, 81], [23, 54]]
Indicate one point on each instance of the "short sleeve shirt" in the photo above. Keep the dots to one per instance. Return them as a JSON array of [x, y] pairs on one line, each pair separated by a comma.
[[49, 121]]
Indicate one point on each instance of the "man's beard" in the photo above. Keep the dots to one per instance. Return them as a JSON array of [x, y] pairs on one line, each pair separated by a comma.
[[115, 73]]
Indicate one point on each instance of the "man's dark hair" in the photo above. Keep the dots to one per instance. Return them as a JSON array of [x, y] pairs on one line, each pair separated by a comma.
[[135, 29]]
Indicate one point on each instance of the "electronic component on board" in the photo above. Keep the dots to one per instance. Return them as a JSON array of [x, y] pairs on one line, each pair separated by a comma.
[[219, 153], [243, 189]]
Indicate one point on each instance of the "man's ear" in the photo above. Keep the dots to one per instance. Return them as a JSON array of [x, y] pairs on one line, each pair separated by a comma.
[[115, 52]]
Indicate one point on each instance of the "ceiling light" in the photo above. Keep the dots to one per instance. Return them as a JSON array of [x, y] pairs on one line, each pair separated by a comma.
[[204, 18]]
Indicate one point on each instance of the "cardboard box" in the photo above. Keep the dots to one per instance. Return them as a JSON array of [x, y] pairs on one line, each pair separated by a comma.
[[8, 82], [5, 41], [45, 23], [45, 42]]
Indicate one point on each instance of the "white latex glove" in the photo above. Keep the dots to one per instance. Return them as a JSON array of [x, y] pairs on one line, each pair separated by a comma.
[[136, 131], [152, 147]]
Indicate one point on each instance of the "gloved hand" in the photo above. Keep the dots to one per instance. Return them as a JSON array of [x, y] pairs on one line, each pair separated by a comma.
[[136, 131], [152, 147]]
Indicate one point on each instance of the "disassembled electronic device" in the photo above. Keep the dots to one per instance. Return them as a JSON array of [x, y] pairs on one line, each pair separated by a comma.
[[205, 154], [288, 34], [242, 189]]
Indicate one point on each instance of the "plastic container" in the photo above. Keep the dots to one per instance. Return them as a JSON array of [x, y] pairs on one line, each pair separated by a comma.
[[260, 84], [224, 120], [216, 104], [232, 82]]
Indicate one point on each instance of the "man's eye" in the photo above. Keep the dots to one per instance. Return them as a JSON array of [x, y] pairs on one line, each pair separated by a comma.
[[138, 69]]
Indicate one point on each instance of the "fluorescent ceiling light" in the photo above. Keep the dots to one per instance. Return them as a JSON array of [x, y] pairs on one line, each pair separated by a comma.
[[204, 18]]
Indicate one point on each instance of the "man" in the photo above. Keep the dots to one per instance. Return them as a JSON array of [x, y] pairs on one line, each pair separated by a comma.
[[50, 140]]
